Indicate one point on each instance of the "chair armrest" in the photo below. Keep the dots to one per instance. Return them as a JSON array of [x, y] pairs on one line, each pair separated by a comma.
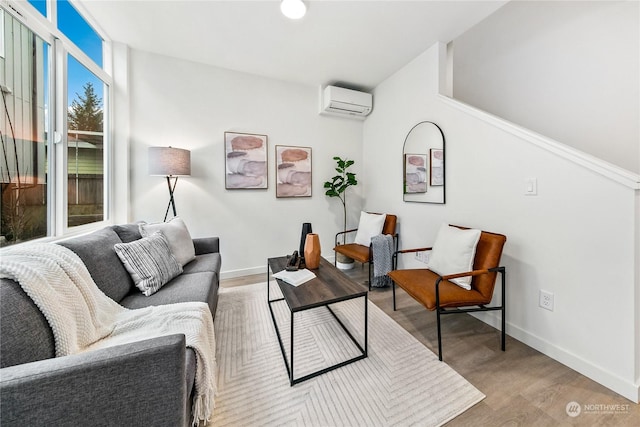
[[206, 245], [141, 383], [343, 232], [465, 274], [473, 273], [406, 251]]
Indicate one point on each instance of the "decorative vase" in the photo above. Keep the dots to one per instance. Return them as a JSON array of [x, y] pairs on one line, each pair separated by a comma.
[[312, 251], [306, 229]]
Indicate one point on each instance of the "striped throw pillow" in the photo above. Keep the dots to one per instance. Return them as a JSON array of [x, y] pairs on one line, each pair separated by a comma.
[[149, 261]]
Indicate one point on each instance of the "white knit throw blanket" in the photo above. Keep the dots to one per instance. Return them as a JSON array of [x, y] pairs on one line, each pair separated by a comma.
[[83, 318]]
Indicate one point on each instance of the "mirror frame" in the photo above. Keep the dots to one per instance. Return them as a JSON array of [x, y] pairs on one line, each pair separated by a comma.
[[428, 147]]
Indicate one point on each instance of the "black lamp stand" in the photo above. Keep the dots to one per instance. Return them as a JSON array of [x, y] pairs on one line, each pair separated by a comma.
[[172, 203]]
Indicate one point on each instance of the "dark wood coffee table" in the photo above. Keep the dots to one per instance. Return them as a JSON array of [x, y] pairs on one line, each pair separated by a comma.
[[330, 286]]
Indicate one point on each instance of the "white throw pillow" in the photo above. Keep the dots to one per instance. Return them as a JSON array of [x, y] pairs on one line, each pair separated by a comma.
[[149, 261], [370, 225], [178, 237], [454, 252]]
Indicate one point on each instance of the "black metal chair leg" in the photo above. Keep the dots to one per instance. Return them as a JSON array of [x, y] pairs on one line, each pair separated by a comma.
[[393, 290], [503, 332], [439, 335], [504, 303]]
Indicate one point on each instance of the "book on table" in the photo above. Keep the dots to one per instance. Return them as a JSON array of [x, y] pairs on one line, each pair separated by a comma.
[[295, 278]]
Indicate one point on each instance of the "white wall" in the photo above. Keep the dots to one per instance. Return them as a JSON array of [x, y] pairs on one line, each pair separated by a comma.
[[119, 109], [576, 239], [567, 70], [189, 105]]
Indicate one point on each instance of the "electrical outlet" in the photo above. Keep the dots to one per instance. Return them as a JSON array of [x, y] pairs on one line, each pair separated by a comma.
[[546, 300]]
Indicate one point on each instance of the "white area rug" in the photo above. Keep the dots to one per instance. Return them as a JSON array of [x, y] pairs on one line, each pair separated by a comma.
[[400, 383]]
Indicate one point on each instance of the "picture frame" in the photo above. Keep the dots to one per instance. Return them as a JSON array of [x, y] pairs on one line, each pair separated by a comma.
[[293, 171], [415, 173], [246, 161], [436, 176]]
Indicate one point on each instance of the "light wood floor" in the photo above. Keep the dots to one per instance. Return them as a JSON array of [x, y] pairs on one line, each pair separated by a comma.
[[523, 386]]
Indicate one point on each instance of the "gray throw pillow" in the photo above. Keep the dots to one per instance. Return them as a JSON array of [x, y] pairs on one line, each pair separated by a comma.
[[149, 261], [178, 237]]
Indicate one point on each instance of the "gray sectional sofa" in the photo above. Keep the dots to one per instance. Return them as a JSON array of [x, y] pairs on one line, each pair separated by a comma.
[[148, 383]]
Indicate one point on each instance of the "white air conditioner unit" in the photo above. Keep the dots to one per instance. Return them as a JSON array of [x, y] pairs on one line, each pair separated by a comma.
[[343, 102]]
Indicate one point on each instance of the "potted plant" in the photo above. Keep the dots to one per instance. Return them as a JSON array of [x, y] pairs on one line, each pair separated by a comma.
[[337, 188]]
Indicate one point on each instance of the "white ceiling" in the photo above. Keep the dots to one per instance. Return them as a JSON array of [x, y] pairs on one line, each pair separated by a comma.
[[356, 43]]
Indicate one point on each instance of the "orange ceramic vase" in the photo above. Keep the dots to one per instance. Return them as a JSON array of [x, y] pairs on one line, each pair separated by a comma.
[[312, 251]]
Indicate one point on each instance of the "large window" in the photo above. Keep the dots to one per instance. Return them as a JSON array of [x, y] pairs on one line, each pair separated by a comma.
[[74, 26], [23, 132], [52, 161], [85, 145]]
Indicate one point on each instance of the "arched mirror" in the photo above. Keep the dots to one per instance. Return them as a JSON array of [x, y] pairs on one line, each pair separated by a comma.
[[423, 164]]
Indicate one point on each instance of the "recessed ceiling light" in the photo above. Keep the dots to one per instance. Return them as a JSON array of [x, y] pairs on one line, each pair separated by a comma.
[[293, 9]]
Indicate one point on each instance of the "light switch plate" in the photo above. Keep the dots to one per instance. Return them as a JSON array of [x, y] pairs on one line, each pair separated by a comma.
[[531, 187]]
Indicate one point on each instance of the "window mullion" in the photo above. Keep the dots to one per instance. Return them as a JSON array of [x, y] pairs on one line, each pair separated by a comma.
[[108, 155], [52, 12], [51, 144], [60, 140]]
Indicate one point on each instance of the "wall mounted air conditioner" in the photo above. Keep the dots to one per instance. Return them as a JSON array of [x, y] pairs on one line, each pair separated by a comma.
[[338, 101]]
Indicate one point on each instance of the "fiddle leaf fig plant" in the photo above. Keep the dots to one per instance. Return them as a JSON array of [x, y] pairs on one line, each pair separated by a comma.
[[338, 185]]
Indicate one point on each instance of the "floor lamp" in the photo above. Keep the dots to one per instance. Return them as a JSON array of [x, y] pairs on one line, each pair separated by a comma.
[[171, 163]]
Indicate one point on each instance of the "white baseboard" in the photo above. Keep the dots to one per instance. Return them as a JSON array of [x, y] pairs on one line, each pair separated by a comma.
[[613, 382], [262, 269], [231, 274]]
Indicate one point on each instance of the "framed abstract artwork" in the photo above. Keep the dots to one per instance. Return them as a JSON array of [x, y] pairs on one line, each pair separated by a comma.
[[245, 161], [415, 173], [293, 171], [437, 167]]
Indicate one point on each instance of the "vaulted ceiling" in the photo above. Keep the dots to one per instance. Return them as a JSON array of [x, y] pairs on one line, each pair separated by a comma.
[[357, 43]]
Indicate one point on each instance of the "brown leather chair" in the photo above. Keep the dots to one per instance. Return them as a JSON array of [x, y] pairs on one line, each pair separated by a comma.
[[438, 293], [364, 254]]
